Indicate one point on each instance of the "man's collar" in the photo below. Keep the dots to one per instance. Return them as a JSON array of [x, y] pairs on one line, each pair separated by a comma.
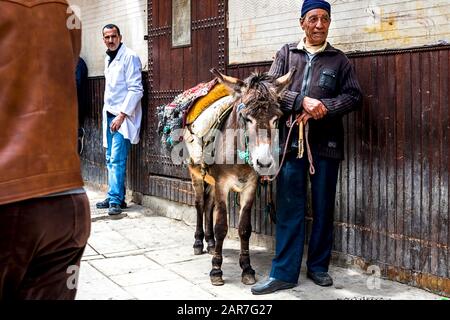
[[311, 49], [113, 54]]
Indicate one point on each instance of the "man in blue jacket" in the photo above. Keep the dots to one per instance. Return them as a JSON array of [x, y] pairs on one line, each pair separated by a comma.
[[324, 89]]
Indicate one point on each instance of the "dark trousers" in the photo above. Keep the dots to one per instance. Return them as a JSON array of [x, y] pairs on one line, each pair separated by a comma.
[[291, 211], [41, 244]]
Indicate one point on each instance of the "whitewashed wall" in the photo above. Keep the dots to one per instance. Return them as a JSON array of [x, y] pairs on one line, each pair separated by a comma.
[[258, 28], [131, 17]]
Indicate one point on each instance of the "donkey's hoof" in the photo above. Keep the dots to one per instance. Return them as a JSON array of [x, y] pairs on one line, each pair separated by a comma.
[[211, 250], [198, 251], [217, 281], [248, 279]]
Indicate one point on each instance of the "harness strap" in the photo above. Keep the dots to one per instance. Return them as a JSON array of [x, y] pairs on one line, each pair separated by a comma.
[[304, 125], [303, 118], [301, 148]]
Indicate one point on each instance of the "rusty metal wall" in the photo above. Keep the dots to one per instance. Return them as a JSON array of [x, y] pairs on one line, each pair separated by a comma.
[[392, 208], [93, 155]]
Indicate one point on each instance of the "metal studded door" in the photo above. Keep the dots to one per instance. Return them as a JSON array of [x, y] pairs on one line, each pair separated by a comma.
[[186, 39]]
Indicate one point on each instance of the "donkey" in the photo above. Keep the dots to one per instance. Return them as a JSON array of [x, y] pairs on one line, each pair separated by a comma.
[[255, 108]]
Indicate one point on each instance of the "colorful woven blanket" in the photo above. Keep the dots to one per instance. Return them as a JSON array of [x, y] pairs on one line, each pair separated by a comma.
[[173, 116]]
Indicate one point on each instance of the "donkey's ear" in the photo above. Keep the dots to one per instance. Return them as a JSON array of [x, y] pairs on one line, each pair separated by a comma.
[[234, 84], [282, 82]]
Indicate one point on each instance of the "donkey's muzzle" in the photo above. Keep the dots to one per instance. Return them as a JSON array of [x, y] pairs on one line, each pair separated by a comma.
[[262, 165]]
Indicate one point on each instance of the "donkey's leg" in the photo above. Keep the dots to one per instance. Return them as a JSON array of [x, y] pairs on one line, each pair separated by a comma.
[[245, 231], [220, 230], [198, 185], [209, 225]]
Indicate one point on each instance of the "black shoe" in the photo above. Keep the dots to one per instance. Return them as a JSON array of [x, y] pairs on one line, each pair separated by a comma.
[[105, 204], [114, 209], [320, 278], [271, 285]]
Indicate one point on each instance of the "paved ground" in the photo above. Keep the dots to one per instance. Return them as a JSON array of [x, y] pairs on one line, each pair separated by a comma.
[[146, 257]]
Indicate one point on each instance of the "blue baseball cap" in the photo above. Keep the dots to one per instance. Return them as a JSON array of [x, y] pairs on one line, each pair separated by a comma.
[[309, 5]]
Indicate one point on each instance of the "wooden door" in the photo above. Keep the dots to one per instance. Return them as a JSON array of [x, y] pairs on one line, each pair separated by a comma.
[[173, 69]]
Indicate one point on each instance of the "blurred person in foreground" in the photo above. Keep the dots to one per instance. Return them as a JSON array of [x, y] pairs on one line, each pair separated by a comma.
[[44, 210]]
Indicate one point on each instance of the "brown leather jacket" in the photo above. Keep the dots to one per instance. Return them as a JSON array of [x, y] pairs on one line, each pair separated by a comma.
[[38, 103]]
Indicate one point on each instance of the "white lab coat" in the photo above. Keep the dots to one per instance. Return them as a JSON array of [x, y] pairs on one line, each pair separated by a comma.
[[123, 93]]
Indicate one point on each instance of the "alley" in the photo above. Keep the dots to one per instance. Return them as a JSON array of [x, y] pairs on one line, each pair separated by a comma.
[[143, 256]]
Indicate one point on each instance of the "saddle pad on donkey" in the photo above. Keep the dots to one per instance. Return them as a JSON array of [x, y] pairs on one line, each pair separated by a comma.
[[219, 91], [209, 117]]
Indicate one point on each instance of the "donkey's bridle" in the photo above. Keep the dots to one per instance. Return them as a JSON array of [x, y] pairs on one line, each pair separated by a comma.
[[243, 155], [301, 121]]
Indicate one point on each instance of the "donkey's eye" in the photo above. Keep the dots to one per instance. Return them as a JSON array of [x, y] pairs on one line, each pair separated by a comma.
[[274, 122], [250, 120]]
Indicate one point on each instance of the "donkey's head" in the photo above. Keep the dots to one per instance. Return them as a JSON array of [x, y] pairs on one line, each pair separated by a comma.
[[258, 112]]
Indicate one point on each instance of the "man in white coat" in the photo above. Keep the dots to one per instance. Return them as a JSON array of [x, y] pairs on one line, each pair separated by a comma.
[[122, 114]]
